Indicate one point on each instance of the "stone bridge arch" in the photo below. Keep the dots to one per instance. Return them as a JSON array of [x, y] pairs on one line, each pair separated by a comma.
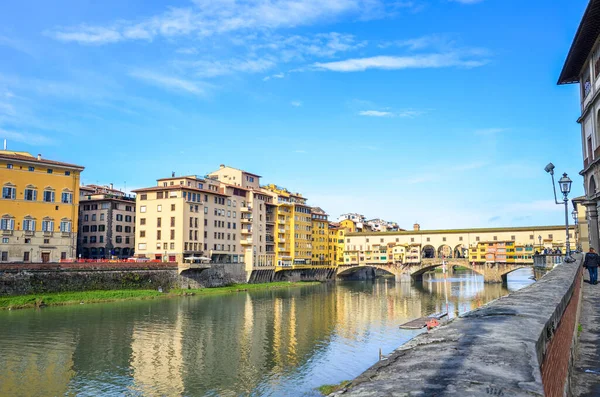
[[345, 271], [444, 251], [460, 251], [428, 252]]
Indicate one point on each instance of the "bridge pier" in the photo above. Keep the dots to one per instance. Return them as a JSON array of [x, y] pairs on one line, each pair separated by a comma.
[[404, 277]]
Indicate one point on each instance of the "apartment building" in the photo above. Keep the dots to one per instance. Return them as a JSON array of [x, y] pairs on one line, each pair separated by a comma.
[[320, 237], [293, 229], [38, 208], [106, 227]]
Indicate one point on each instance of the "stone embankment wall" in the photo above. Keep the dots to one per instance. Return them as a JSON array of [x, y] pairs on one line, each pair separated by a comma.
[[21, 279], [305, 275], [519, 345]]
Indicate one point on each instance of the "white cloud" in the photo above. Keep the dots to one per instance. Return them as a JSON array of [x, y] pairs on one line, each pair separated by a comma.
[[375, 113], [296, 104], [26, 138], [209, 17], [408, 113], [490, 131], [187, 51], [274, 76], [208, 68], [169, 82], [400, 62]]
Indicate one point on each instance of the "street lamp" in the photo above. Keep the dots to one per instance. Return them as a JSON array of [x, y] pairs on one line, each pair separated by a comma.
[[564, 184], [575, 216]]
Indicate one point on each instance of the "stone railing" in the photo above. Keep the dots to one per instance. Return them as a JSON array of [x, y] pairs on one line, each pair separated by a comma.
[[519, 345], [547, 261]]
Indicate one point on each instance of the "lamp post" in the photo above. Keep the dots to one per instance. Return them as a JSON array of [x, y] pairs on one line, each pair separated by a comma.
[[564, 183]]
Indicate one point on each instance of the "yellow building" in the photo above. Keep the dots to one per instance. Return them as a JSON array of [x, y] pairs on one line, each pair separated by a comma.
[[38, 208], [582, 236], [349, 225], [293, 230], [320, 238]]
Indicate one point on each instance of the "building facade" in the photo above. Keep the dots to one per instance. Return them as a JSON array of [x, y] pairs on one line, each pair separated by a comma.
[[106, 227], [320, 237], [38, 208], [583, 66]]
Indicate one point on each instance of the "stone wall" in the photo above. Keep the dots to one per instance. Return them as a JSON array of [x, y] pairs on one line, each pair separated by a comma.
[[305, 275], [44, 278], [518, 345]]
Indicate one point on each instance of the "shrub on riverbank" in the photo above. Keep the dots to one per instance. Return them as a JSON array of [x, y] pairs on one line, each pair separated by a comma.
[[71, 298], [328, 389]]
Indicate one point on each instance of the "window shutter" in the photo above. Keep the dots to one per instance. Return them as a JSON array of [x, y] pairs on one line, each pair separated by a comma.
[[52, 196]]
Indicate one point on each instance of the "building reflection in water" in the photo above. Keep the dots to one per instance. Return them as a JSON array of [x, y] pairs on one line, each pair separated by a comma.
[[273, 342]]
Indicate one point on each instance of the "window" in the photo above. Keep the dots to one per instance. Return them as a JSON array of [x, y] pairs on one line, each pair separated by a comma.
[[158, 235], [412, 239], [48, 196], [531, 236], [119, 239], [47, 226], [172, 234], [67, 173], [46, 241], [93, 217], [7, 224], [443, 238], [105, 206], [142, 221], [158, 222], [26, 256], [101, 239], [49, 170], [94, 228], [31, 169], [119, 228], [142, 208], [101, 228], [142, 233], [460, 238], [141, 246], [9, 166], [127, 229], [428, 239], [159, 195], [172, 221], [30, 195], [66, 198], [9, 192], [172, 207], [206, 210], [512, 238], [476, 238], [550, 236], [144, 197], [4, 240], [159, 208], [29, 225], [65, 226]]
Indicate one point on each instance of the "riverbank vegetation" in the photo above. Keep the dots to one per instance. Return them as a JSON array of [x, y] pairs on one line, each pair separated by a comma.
[[83, 297], [328, 389]]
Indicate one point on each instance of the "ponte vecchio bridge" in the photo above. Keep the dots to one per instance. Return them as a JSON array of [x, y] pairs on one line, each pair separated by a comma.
[[491, 272]]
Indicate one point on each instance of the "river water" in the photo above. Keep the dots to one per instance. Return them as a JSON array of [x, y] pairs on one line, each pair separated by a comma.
[[282, 342]]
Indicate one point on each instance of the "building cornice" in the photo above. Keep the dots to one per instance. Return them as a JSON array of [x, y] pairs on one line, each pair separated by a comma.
[[459, 231]]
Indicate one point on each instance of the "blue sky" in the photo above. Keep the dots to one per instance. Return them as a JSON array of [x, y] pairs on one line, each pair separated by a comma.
[[438, 111]]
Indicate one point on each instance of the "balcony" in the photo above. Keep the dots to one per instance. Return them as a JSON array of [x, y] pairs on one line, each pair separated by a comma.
[[29, 233], [281, 230], [7, 232], [281, 221], [246, 231], [247, 241], [246, 220], [270, 220], [48, 233], [246, 208], [281, 241], [65, 234]]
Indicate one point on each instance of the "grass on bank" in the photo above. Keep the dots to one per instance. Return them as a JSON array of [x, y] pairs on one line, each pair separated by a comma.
[[71, 298], [328, 389]]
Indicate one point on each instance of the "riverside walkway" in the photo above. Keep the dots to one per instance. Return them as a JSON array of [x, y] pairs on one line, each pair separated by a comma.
[[586, 371], [518, 345]]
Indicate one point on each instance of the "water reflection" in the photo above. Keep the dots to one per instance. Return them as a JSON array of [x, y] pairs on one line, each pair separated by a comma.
[[281, 342]]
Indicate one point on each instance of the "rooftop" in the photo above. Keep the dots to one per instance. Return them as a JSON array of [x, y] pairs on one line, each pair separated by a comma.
[[584, 41], [237, 169], [458, 231], [29, 158]]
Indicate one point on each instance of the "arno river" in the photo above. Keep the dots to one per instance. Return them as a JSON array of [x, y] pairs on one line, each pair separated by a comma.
[[264, 343]]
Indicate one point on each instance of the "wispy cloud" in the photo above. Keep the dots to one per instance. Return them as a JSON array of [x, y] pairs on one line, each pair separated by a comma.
[[490, 131], [409, 113], [375, 113], [209, 17], [274, 76], [170, 82], [214, 68], [187, 51], [17, 45], [296, 104], [400, 62], [26, 138]]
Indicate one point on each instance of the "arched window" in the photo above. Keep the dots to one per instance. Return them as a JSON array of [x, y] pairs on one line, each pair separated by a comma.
[[7, 222], [30, 193], [9, 191], [29, 223], [66, 196], [47, 224], [48, 194], [592, 186], [65, 225]]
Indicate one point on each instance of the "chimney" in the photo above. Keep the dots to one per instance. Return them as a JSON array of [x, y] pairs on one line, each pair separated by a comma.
[[172, 174], [5, 144], [416, 227], [222, 166], [39, 157], [111, 186]]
